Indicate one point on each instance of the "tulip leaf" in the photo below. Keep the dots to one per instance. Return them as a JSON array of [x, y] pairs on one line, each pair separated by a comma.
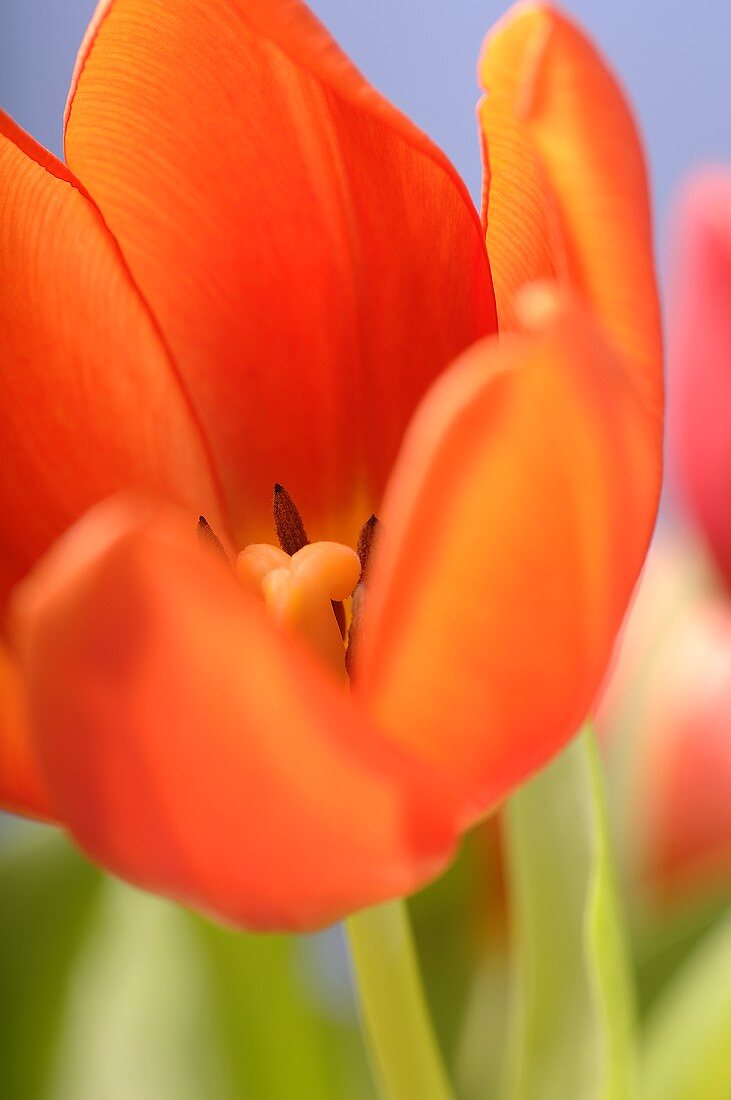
[[572, 1027], [687, 1046]]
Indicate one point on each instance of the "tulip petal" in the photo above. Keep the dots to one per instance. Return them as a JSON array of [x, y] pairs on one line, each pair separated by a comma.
[[566, 188], [312, 258], [22, 789], [515, 528], [700, 358], [193, 750], [90, 402]]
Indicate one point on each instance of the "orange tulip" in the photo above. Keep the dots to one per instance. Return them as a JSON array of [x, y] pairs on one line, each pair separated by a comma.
[[264, 277]]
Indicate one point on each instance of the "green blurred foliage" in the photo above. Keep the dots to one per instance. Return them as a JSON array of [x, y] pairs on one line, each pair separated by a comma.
[[111, 994], [664, 937], [136, 1019], [460, 933], [572, 1032], [277, 1042], [687, 1050], [48, 898], [107, 993]]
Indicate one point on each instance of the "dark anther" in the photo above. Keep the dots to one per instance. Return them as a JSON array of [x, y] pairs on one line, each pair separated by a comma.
[[288, 522], [366, 540], [210, 539], [339, 612]]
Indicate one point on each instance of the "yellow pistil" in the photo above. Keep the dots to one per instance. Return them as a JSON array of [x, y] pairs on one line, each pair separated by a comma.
[[303, 584], [298, 592]]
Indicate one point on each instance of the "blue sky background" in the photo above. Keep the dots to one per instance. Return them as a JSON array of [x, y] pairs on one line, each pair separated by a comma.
[[673, 57]]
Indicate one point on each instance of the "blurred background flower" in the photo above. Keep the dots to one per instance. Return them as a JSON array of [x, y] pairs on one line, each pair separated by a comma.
[[666, 714]]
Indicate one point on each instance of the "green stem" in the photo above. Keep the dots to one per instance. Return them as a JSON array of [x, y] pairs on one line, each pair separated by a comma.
[[398, 1029]]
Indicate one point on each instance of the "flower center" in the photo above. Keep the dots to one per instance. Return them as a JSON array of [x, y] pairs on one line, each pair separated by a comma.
[[303, 584], [299, 591]]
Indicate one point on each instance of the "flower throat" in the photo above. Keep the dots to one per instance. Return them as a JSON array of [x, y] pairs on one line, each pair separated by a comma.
[[314, 591]]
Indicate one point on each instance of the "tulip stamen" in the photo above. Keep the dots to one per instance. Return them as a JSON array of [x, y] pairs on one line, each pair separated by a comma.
[[288, 523], [340, 619], [364, 550], [210, 539], [366, 539]]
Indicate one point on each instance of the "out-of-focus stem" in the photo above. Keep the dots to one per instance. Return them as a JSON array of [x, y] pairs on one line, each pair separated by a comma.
[[398, 1029]]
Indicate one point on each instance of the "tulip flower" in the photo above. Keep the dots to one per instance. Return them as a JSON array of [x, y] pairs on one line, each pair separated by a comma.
[[666, 717], [700, 347], [253, 271], [692, 811], [669, 703], [688, 812]]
